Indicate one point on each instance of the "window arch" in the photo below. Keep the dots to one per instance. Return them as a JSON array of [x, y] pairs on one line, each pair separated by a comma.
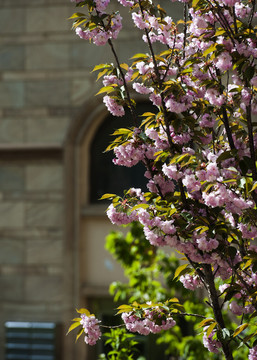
[[105, 177]]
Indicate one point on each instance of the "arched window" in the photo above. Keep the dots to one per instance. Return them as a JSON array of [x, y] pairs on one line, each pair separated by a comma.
[[105, 177]]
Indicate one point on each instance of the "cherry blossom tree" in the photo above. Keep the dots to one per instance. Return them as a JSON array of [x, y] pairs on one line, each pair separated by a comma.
[[199, 151]]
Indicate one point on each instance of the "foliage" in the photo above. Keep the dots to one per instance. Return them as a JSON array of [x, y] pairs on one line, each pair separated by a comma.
[[122, 344], [150, 274], [199, 151]]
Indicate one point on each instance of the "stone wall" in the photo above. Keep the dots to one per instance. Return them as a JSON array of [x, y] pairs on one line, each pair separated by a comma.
[[45, 81], [41, 91], [45, 86]]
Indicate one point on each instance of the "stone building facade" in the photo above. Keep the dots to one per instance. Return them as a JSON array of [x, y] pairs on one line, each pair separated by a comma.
[[51, 238]]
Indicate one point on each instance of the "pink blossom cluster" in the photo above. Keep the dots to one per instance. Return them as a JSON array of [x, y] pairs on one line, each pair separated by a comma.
[[119, 217], [152, 320], [253, 353], [91, 328], [101, 34], [238, 310], [113, 106], [198, 150], [100, 5], [210, 343], [127, 2], [190, 282]]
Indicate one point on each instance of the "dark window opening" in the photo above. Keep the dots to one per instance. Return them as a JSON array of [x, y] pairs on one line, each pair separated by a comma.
[[32, 341], [105, 177]]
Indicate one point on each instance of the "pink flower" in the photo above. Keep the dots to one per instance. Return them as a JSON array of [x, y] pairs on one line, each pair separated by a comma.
[[146, 323], [119, 217], [139, 21], [114, 108], [91, 328], [191, 282], [224, 61], [211, 344], [141, 88], [235, 308], [214, 97], [101, 5], [207, 245], [172, 172], [127, 2], [253, 353]]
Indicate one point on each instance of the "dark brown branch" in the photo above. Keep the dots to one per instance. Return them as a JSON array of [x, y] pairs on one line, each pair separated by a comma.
[[131, 107], [214, 300], [251, 141], [227, 128]]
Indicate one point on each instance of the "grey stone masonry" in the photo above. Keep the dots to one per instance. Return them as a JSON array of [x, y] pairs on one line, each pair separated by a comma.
[[46, 83]]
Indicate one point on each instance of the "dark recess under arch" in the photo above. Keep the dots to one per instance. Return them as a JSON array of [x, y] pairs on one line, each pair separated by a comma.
[[105, 177]]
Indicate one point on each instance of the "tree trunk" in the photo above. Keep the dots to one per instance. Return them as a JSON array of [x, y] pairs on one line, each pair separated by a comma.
[[214, 300]]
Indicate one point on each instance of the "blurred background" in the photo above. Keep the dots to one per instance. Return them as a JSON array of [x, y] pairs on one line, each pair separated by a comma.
[[52, 133]]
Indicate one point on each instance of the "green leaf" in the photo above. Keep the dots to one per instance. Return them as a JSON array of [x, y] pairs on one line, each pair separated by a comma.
[[122, 131], [79, 334], [179, 270], [210, 328], [101, 73], [108, 196], [195, 2], [254, 187], [107, 89], [73, 326], [77, 15], [210, 50], [138, 206], [140, 56], [124, 66], [83, 311], [239, 329], [173, 300], [124, 308], [206, 322], [225, 333], [101, 66], [226, 155]]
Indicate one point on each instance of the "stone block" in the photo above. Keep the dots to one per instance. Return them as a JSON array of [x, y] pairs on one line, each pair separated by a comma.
[[12, 214], [12, 178], [11, 130], [82, 89], [51, 130], [43, 288], [47, 57], [129, 46], [47, 93], [44, 214], [44, 177], [84, 55], [12, 21], [12, 57], [44, 252], [12, 251], [22, 3], [11, 94], [11, 287], [48, 19]]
